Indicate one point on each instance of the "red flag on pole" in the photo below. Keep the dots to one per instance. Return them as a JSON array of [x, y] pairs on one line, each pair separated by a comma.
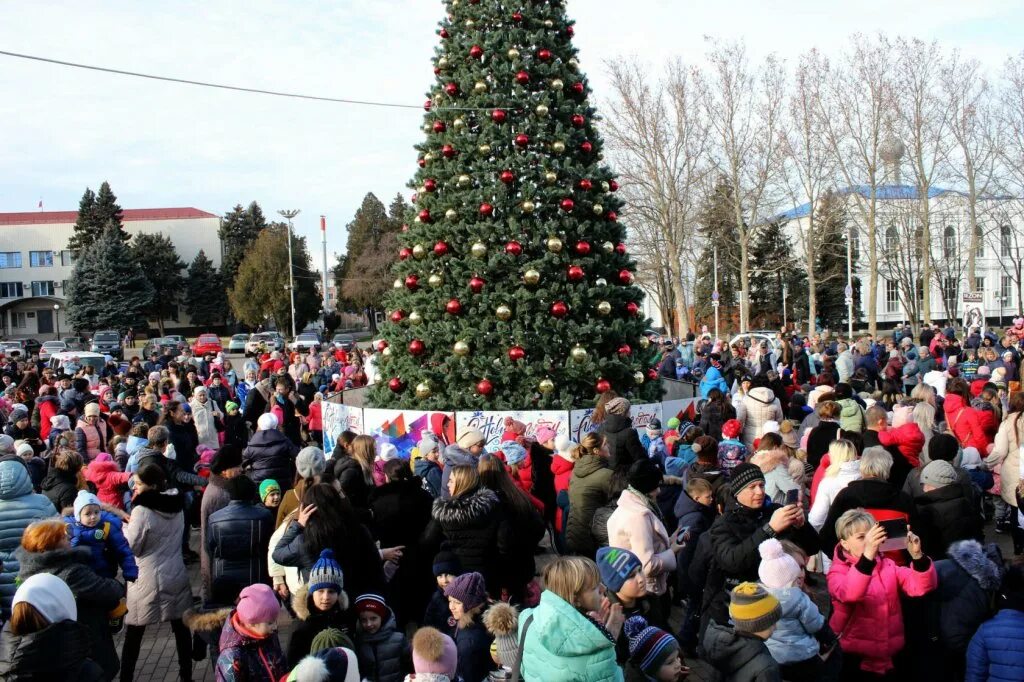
[[323, 223]]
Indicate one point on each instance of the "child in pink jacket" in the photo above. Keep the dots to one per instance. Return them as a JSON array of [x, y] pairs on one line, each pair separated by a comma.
[[865, 588], [110, 481]]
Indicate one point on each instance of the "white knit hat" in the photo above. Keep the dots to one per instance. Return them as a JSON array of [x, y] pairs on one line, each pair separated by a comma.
[[50, 596], [777, 569], [267, 422]]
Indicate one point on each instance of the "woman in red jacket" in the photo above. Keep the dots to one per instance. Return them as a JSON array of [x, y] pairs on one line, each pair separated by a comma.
[[561, 466], [963, 420]]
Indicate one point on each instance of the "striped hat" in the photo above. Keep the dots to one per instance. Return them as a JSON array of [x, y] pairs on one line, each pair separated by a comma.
[[752, 609], [326, 573], [649, 647]]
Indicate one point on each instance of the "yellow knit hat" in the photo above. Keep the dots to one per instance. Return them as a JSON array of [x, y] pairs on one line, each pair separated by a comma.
[[752, 608]]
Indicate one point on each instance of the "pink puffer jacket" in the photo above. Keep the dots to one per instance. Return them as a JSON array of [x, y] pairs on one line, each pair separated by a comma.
[[867, 615]]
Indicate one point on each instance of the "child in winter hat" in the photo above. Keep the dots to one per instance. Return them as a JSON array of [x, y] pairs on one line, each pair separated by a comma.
[[739, 652], [793, 641], [467, 597], [380, 645], [270, 494], [321, 606], [435, 657], [337, 664], [753, 610], [102, 533], [502, 621], [446, 567], [248, 641], [652, 651]]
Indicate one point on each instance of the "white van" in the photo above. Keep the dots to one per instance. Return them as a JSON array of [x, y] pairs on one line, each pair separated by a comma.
[[70, 362]]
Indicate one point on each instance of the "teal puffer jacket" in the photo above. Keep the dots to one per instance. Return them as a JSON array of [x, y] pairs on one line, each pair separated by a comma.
[[19, 507], [562, 644]]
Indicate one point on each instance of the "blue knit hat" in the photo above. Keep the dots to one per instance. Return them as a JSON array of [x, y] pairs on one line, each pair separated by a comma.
[[326, 573], [513, 451], [649, 647], [615, 565]]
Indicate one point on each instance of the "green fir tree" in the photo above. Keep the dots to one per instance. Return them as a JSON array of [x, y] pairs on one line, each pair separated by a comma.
[[205, 301], [108, 289], [156, 255], [830, 265], [95, 213], [239, 228], [514, 289], [717, 227], [772, 267]]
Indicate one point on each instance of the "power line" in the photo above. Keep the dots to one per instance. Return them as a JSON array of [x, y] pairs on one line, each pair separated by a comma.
[[221, 86]]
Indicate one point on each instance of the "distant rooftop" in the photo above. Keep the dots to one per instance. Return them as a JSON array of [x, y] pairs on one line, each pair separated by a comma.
[[129, 215], [882, 192]]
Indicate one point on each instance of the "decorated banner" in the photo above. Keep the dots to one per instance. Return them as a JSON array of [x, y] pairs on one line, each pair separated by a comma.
[[684, 409], [642, 415], [338, 418], [405, 428], [492, 424], [580, 424]]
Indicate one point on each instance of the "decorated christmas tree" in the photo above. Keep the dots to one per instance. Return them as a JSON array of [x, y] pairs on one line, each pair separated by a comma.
[[514, 288]]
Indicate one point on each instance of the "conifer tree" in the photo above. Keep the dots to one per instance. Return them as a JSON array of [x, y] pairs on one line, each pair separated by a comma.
[[717, 227], [108, 289], [772, 266], [514, 289], [205, 301], [830, 265], [238, 230], [96, 211], [261, 287], [156, 255]]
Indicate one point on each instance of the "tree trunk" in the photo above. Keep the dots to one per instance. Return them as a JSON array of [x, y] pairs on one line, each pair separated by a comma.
[[972, 222], [872, 268], [812, 288], [682, 314], [926, 262]]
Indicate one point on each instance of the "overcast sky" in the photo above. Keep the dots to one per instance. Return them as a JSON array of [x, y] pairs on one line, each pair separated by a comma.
[[161, 144]]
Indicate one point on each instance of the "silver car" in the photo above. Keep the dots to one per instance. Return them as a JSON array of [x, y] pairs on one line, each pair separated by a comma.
[[51, 347]]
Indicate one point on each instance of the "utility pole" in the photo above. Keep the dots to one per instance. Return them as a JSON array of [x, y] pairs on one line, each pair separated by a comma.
[[785, 321], [849, 281], [288, 215], [323, 234], [714, 297]]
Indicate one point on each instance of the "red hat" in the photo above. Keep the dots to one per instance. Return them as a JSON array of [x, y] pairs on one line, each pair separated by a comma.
[[374, 604], [731, 428]]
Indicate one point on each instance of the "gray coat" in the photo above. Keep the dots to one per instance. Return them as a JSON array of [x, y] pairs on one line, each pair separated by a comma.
[[19, 507], [162, 591]]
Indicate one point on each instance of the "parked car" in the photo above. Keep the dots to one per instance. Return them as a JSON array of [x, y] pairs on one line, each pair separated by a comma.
[[74, 342], [159, 345], [51, 347], [181, 343], [12, 347], [261, 343], [107, 342], [305, 341], [207, 343], [346, 342], [69, 362], [237, 343]]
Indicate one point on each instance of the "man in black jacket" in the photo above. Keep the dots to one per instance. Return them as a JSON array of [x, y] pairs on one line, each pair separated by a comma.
[[237, 538]]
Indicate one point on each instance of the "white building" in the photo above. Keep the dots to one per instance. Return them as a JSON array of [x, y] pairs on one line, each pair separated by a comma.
[[35, 263], [998, 257]]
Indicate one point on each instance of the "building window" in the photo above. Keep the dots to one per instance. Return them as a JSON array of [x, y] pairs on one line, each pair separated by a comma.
[[979, 284], [40, 259], [67, 259], [1005, 242], [980, 251], [10, 259], [892, 240], [892, 296], [949, 242], [11, 290], [18, 320], [949, 287], [854, 237], [42, 288], [1005, 291]]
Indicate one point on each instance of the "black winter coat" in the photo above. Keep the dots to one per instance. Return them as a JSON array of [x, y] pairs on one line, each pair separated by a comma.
[[543, 480], [820, 438], [176, 476], [519, 532], [237, 539], [945, 516], [185, 441], [95, 596], [968, 582], [352, 480], [360, 561], [624, 445], [270, 455], [55, 654], [311, 622], [469, 526], [61, 488]]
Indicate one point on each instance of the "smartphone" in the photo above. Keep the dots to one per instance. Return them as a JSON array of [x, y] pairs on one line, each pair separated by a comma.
[[683, 535], [895, 535], [793, 496]]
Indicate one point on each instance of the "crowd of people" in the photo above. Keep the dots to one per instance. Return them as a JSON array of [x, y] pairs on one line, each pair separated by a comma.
[[821, 517]]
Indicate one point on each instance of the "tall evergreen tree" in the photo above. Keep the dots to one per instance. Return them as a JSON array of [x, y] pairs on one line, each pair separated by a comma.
[[205, 300], [156, 255], [261, 287], [371, 251], [717, 227], [238, 230], [108, 289], [772, 266], [371, 221], [830, 264], [95, 213], [515, 258]]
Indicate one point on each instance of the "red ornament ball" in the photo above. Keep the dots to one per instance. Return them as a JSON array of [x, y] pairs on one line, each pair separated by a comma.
[[440, 249], [425, 216], [412, 282], [476, 52], [583, 248], [514, 248], [397, 316], [422, 162], [652, 374], [447, 151], [620, 249], [396, 385], [570, 31], [517, 17], [430, 184], [612, 216], [486, 209], [625, 276], [603, 386], [452, 89], [440, 127], [559, 309], [437, 70], [624, 349], [476, 285], [632, 308], [585, 185], [613, 186], [499, 116], [484, 387], [522, 78], [507, 177], [427, 105], [416, 347], [404, 253], [586, 147], [574, 273], [522, 139], [444, 33], [516, 353], [381, 345], [544, 55], [453, 307], [577, 88], [567, 205], [578, 121]]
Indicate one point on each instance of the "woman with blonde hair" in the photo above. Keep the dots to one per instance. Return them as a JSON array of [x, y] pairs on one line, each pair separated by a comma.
[[590, 488], [571, 634], [844, 467], [353, 470]]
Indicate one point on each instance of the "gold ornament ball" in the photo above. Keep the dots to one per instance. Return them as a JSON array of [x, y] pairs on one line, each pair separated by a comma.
[[546, 386], [480, 87], [531, 277], [427, 127], [438, 98], [435, 281], [513, 53], [598, 209], [451, 214], [542, 110], [608, 247], [478, 250], [548, 23], [442, 63], [398, 284], [470, 24], [417, 219], [605, 187], [558, 147], [604, 307], [554, 245], [550, 177], [461, 349], [574, 64], [601, 281], [415, 318], [528, 206], [459, 124], [428, 157], [504, 313], [484, 149], [419, 252], [557, 84], [423, 390], [464, 180], [578, 354], [644, 342], [638, 378]]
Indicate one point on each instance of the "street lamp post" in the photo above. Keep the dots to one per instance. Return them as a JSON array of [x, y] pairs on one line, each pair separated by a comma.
[[849, 282], [288, 215], [56, 319]]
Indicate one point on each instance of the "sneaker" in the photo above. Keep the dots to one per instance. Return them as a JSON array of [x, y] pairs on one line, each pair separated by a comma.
[[116, 625]]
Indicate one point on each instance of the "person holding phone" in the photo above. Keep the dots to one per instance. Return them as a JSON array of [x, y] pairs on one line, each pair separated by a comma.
[[866, 587]]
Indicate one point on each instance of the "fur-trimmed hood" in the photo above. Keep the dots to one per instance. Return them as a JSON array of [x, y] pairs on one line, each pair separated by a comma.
[[206, 621], [976, 562], [302, 602], [467, 509], [501, 619]]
